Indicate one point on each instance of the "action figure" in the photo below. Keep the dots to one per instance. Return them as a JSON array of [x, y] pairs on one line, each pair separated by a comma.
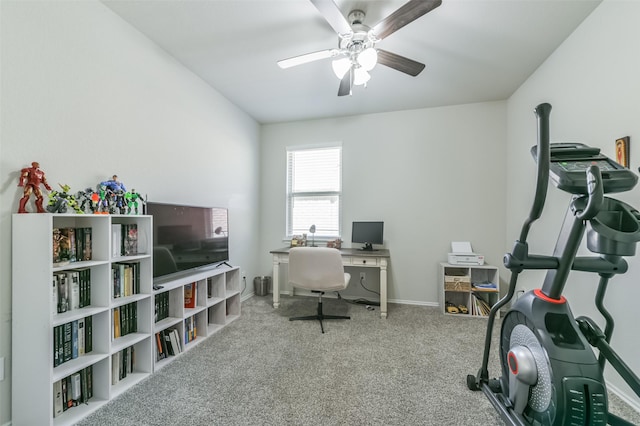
[[83, 199], [132, 201], [31, 178], [114, 196], [114, 184], [59, 201], [100, 200]]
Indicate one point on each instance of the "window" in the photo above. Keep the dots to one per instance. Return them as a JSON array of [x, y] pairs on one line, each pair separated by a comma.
[[314, 189]]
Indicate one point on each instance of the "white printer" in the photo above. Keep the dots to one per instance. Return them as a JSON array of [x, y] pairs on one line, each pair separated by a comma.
[[462, 254]]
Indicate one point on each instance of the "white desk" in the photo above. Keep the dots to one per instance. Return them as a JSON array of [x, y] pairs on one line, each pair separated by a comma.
[[350, 257]]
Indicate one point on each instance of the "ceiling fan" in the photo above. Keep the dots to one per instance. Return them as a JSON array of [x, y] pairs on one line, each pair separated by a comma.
[[356, 54]]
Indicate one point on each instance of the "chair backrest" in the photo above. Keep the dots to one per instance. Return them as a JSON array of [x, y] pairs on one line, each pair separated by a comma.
[[317, 268]]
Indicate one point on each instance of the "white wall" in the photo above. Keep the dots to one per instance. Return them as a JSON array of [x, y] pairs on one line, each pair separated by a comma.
[[592, 83], [87, 96], [432, 175]]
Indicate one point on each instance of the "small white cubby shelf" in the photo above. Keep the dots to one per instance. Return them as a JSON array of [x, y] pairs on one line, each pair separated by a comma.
[[217, 303]]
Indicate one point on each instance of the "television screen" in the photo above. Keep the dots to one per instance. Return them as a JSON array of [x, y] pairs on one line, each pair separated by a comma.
[[368, 233], [188, 237]]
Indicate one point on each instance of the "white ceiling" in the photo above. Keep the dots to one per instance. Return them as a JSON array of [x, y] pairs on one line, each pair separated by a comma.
[[474, 50]]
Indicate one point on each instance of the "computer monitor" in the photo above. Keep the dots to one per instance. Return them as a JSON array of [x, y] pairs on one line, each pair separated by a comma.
[[368, 233]]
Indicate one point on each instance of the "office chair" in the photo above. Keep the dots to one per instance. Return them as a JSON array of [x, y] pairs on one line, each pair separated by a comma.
[[318, 269]]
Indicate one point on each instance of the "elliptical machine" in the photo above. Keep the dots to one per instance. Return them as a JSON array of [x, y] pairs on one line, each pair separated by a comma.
[[550, 374]]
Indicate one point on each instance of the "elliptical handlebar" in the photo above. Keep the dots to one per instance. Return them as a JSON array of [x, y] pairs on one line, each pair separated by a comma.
[[596, 194], [542, 112]]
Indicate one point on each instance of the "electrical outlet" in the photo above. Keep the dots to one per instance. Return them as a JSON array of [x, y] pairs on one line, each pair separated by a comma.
[[363, 276], [244, 275]]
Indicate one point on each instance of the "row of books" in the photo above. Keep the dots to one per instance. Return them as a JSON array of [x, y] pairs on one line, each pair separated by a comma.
[[122, 364], [72, 340], [479, 306], [190, 329], [167, 343], [125, 278], [72, 289], [161, 306], [71, 245], [125, 319], [72, 390], [124, 239]]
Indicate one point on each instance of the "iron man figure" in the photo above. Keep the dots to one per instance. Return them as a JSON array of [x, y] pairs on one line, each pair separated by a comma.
[[31, 178]]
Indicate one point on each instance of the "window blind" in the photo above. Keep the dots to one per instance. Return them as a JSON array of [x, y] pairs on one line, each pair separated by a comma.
[[314, 190]]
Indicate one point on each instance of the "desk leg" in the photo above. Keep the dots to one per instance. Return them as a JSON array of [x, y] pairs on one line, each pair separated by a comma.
[[275, 282], [383, 289]]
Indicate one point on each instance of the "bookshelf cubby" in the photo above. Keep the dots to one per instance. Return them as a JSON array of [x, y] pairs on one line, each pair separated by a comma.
[[466, 285]]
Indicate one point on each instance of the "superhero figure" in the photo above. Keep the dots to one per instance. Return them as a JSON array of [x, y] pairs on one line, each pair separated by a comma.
[[114, 184], [31, 178], [133, 200]]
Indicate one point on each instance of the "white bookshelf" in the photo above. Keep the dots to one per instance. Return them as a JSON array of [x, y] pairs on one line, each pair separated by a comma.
[[459, 285], [217, 304], [35, 315]]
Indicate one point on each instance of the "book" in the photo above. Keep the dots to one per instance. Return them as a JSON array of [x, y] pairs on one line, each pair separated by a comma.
[[89, 382], [190, 295], [116, 240], [67, 244], [73, 281], [83, 383], [57, 255], [160, 354], [129, 239], [56, 350], [88, 334], [68, 342], [57, 398], [116, 323], [168, 344], [115, 368], [60, 344], [76, 388], [85, 248], [55, 302], [81, 337], [63, 386], [175, 341], [74, 339], [63, 292]]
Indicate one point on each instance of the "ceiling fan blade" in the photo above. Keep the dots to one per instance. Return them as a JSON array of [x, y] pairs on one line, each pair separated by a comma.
[[400, 63], [333, 16], [346, 83], [406, 14], [306, 58]]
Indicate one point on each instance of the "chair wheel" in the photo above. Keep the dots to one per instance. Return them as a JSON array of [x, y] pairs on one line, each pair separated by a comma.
[[472, 384]]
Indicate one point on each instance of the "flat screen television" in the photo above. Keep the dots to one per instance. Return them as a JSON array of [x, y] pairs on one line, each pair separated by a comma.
[[188, 237], [367, 233]]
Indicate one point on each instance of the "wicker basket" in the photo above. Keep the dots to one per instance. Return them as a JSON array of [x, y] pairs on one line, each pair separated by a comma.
[[457, 283]]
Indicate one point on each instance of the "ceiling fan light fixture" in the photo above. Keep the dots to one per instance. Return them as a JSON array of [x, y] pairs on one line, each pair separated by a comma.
[[360, 76], [368, 58], [341, 67]]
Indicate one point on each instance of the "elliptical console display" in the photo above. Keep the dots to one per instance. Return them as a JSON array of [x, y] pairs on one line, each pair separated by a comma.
[[550, 374]]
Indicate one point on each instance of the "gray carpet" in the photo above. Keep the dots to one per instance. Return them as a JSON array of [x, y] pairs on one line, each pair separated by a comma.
[[262, 369]]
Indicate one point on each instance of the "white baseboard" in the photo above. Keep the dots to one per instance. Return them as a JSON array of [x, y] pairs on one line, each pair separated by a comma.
[[633, 403]]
